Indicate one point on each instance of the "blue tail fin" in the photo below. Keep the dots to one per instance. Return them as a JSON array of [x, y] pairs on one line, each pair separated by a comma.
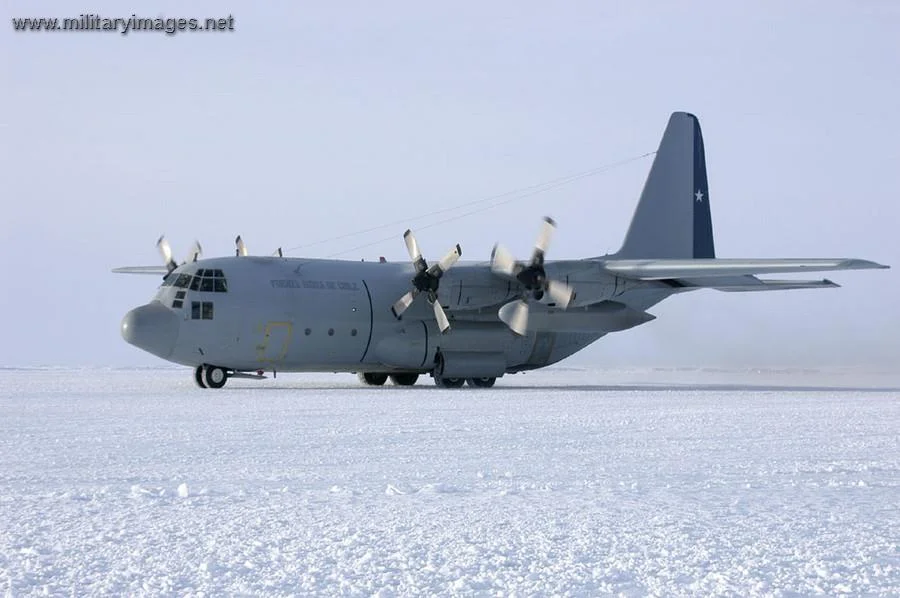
[[672, 219]]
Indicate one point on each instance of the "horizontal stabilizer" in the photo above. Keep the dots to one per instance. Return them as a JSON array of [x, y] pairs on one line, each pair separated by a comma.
[[662, 269], [156, 270]]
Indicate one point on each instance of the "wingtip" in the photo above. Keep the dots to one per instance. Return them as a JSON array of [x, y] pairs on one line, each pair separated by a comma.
[[868, 264]]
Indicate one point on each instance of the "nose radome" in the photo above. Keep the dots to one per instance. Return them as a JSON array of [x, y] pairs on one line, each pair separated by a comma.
[[152, 327]]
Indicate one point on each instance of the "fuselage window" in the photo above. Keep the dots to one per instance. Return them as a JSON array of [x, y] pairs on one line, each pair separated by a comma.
[[177, 303]]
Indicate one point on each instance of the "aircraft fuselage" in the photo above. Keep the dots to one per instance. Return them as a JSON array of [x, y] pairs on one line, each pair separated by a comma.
[[295, 315]]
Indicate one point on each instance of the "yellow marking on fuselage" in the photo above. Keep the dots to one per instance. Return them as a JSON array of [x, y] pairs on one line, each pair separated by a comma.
[[282, 350]]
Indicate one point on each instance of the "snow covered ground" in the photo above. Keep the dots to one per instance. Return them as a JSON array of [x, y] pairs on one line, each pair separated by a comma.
[[571, 482]]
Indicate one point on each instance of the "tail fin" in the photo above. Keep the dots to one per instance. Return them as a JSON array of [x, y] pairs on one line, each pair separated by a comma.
[[672, 219]]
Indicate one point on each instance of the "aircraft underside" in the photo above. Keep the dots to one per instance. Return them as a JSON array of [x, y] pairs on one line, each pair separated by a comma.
[[448, 368]]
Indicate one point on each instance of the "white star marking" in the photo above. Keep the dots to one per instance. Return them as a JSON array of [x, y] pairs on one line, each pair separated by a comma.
[[699, 195]]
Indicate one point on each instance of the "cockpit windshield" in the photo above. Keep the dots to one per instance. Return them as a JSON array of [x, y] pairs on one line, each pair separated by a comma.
[[206, 280]]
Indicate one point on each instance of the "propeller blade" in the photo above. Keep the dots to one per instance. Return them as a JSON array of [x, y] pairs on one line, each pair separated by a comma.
[[414, 253], [561, 292], [196, 252], [502, 261], [543, 241], [446, 262], [515, 315], [166, 251], [403, 303], [439, 315], [411, 246], [240, 248]]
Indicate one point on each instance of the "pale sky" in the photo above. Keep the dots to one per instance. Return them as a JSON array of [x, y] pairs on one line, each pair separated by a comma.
[[314, 120]]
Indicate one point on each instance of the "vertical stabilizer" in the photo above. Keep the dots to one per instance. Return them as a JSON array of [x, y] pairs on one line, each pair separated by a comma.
[[672, 219]]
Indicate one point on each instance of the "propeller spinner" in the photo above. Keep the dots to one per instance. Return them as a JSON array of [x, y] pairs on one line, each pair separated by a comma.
[[532, 277], [426, 280]]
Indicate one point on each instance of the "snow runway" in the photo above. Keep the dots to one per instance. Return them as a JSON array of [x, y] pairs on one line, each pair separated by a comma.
[[572, 482]]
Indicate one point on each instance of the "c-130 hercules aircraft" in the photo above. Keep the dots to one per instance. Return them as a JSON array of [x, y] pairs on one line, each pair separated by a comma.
[[242, 316]]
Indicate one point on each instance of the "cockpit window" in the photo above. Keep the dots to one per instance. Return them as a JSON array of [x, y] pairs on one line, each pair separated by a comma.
[[208, 280]]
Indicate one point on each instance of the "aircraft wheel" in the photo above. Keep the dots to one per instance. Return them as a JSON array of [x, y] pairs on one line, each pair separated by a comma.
[[214, 377], [372, 378], [198, 376], [449, 382], [404, 379], [481, 382]]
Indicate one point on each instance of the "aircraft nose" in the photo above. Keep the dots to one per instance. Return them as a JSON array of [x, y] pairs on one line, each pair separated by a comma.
[[151, 327]]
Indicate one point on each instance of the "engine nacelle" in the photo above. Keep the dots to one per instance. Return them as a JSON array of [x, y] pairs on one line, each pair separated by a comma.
[[477, 289]]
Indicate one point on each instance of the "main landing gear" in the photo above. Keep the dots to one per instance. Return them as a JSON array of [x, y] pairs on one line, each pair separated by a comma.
[[377, 379], [210, 376], [449, 382], [481, 382], [372, 378], [404, 379], [458, 382]]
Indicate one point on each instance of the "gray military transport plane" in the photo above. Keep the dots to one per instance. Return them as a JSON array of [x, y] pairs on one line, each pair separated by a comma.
[[245, 315]]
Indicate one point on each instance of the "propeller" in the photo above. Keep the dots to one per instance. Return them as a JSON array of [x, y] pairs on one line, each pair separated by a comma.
[[196, 252], [166, 251], [240, 248], [426, 280], [532, 277]]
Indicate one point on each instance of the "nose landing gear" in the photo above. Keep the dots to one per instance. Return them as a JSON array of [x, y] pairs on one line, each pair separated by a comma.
[[210, 376]]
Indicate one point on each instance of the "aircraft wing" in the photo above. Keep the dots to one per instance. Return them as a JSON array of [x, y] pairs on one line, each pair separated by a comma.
[[155, 270], [662, 269]]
